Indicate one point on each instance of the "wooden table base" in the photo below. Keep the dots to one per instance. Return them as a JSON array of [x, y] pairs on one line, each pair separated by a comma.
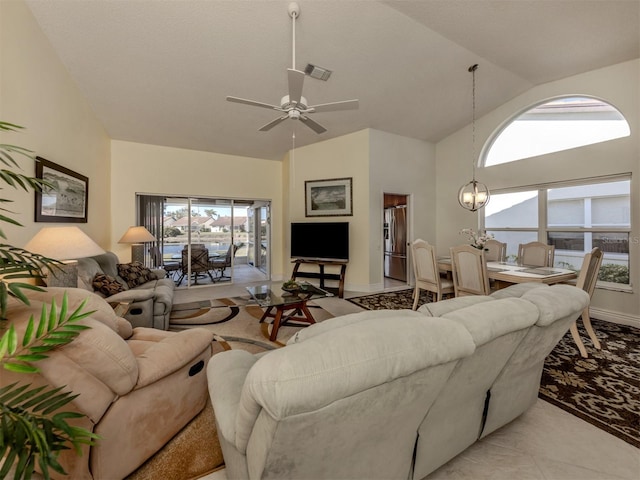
[[281, 317]]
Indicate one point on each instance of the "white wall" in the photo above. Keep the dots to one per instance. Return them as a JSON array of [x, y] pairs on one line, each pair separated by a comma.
[[151, 169], [37, 92], [405, 166], [617, 85]]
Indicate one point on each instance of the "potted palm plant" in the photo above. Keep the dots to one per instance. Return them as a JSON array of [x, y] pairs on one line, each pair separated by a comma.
[[33, 429]]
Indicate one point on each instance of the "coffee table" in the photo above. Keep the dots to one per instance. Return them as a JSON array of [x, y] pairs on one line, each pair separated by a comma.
[[289, 306]]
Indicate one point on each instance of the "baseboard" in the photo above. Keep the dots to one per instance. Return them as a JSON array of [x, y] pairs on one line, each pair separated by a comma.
[[615, 317]]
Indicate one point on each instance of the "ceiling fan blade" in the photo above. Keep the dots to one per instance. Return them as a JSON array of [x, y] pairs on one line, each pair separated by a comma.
[[273, 123], [253, 103], [315, 126], [334, 106], [296, 80]]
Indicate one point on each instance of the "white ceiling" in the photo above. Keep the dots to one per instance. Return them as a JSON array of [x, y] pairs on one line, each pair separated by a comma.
[[158, 71]]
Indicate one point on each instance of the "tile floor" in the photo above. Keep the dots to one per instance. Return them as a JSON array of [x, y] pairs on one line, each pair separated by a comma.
[[546, 443]]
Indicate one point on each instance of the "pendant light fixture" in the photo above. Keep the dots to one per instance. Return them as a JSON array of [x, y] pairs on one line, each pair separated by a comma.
[[473, 195]]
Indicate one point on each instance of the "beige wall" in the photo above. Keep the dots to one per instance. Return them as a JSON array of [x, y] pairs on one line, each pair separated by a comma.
[[404, 166], [618, 85], [346, 156], [152, 169], [379, 163], [37, 92]]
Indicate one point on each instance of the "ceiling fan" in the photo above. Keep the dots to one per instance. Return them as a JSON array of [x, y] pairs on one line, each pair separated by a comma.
[[294, 105]]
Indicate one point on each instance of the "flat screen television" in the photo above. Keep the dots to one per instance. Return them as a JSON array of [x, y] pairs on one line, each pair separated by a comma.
[[320, 241]]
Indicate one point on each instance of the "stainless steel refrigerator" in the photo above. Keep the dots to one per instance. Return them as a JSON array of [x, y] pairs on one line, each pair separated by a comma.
[[395, 243]]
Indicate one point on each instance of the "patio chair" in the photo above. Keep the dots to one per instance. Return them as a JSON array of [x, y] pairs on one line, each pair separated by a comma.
[[172, 267], [221, 264], [199, 263]]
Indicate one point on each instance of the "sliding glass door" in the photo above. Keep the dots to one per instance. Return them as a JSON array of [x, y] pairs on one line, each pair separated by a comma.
[[234, 244]]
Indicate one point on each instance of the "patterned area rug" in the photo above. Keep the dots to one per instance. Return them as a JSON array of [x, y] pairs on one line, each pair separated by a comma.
[[603, 390], [236, 321], [398, 300]]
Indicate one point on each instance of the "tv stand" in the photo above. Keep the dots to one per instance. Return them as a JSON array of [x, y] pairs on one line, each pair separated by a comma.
[[322, 275]]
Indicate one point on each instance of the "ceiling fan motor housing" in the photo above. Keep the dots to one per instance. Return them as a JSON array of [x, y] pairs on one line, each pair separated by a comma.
[[285, 104]]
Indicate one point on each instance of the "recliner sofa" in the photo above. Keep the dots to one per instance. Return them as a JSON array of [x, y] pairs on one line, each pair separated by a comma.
[[387, 394], [138, 387], [149, 303]]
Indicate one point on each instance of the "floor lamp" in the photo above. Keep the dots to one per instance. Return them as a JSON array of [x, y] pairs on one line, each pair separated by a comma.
[[137, 236], [65, 244]]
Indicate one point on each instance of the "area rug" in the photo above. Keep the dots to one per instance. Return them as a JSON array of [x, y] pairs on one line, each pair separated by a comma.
[[236, 320], [194, 452], [603, 389], [397, 300]]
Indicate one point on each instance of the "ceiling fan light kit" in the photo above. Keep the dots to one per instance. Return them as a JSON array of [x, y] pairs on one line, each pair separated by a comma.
[[294, 106]]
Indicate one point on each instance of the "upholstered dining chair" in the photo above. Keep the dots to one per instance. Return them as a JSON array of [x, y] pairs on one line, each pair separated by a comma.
[[469, 270], [425, 269], [587, 281], [536, 254], [495, 251]]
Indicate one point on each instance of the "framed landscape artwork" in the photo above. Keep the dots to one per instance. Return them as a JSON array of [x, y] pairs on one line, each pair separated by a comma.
[[331, 197], [67, 200]]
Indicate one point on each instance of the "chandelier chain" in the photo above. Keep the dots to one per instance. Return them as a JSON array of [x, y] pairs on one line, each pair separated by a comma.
[[473, 69]]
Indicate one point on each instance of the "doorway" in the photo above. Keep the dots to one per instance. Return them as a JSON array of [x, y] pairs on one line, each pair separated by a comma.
[[395, 235]]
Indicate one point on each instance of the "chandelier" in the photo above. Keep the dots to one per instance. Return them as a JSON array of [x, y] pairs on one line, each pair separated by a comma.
[[473, 195]]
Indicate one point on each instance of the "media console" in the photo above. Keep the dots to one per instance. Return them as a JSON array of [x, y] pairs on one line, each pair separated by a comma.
[[322, 275]]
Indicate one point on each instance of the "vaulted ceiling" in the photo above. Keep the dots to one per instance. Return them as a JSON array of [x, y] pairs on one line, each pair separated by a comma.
[[158, 71]]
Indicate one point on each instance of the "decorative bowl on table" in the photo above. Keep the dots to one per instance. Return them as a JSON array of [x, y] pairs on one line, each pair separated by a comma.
[[291, 287]]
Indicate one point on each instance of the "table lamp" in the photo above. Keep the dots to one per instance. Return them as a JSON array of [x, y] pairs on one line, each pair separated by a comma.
[[136, 236], [65, 244]]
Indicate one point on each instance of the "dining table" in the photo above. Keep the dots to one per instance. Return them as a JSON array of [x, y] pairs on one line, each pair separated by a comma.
[[506, 273]]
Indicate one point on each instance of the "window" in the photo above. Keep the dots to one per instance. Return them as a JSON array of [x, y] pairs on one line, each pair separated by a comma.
[[574, 218], [555, 125]]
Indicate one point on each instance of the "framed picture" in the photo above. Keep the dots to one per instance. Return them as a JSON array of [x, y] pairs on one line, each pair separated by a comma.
[[67, 200], [332, 197]]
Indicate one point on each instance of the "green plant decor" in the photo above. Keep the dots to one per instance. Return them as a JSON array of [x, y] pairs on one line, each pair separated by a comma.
[[32, 430]]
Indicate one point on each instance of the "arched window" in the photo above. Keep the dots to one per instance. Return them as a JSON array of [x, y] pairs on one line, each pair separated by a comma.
[[554, 125]]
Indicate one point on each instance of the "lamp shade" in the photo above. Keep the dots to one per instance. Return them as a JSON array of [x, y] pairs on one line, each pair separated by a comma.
[[63, 243], [137, 235]]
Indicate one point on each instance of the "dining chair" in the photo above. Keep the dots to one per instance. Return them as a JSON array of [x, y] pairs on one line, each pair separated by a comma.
[[427, 275], [469, 271], [587, 279], [495, 251], [536, 254]]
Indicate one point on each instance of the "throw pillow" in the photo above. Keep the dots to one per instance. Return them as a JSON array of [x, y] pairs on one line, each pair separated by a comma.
[[106, 285], [135, 273]]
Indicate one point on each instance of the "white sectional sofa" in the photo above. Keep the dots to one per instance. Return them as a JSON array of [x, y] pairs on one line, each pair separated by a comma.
[[387, 394]]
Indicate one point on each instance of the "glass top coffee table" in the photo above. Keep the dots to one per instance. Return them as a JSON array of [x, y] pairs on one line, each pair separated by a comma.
[[288, 305]]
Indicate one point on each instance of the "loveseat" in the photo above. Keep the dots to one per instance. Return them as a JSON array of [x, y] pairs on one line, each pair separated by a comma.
[[387, 394], [137, 387], [148, 293]]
